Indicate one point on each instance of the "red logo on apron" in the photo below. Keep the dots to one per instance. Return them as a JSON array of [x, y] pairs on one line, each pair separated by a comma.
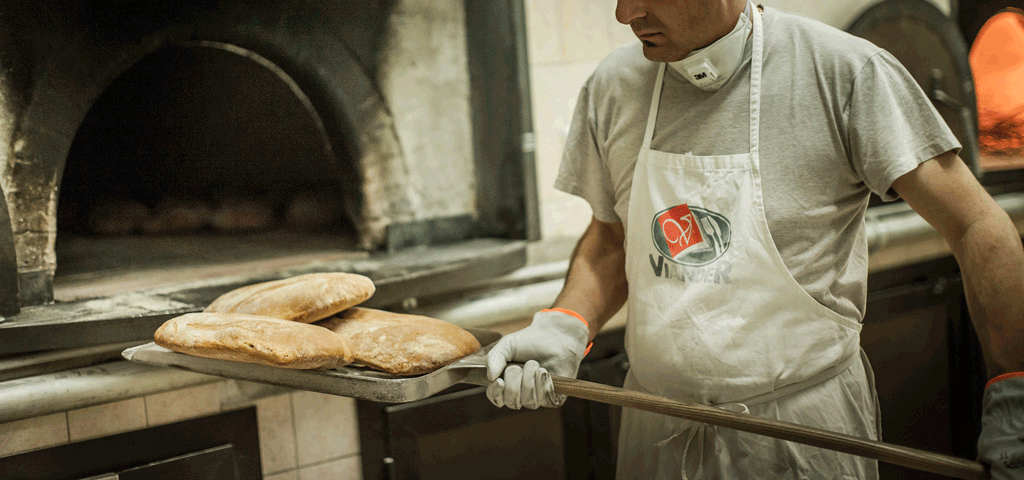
[[680, 228]]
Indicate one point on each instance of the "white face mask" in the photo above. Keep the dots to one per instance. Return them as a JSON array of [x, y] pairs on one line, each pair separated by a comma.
[[710, 67]]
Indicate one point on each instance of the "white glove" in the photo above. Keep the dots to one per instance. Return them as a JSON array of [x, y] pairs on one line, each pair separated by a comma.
[[555, 342], [1001, 443]]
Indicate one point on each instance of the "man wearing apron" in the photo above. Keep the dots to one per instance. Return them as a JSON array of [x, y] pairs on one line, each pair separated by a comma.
[[746, 271]]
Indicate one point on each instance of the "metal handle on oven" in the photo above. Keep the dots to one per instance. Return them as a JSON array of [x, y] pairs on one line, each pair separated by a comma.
[[389, 468]]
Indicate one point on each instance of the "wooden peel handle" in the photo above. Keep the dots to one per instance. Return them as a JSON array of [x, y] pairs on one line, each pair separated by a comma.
[[883, 452]]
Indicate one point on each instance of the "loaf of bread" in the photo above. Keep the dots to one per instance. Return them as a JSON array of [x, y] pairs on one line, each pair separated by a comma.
[[401, 344], [254, 339], [303, 298]]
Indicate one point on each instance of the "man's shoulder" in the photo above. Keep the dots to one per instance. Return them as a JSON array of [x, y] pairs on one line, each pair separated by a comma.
[[624, 69], [818, 40]]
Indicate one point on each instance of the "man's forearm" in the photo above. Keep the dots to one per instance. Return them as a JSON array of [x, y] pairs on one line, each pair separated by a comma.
[[595, 285], [987, 247], [992, 266]]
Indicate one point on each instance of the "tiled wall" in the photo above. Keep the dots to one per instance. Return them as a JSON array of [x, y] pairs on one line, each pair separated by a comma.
[[566, 40], [302, 435]]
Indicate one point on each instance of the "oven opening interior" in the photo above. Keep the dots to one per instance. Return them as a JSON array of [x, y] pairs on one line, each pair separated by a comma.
[[198, 162], [997, 62]]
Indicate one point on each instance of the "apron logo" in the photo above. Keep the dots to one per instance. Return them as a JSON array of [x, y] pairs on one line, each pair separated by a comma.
[[691, 236]]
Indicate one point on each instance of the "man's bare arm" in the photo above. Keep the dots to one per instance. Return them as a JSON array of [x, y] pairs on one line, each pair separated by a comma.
[[987, 247], [595, 286]]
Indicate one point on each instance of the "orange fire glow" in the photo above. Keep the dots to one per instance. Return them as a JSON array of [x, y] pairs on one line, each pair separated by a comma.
[[997, 61]]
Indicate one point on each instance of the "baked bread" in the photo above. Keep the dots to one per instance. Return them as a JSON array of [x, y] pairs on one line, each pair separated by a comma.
[[303, 298], [253, 339], [401, 344]]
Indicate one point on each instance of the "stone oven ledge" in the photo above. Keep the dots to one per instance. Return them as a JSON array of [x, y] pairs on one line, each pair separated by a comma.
[[135, 315], [503, 304]]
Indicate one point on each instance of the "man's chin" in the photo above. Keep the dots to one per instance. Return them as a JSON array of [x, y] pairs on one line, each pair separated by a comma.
[[660, 53]]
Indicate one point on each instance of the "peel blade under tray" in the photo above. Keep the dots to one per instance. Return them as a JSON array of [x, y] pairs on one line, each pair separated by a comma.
[[349, 381]]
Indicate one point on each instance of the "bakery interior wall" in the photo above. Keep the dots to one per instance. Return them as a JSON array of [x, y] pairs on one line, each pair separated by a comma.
[[307, 435]]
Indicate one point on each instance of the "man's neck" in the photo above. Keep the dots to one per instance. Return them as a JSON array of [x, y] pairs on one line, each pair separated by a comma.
[[727, 26]]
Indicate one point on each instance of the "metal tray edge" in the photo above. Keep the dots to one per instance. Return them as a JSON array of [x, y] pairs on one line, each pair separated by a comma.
[[347, 382]]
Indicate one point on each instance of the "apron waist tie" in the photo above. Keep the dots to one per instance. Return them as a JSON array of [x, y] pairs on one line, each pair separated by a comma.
[[698, 435]]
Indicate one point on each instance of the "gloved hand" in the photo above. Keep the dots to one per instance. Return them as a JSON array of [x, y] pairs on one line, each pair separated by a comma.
[[1001, 443], [555, 343]]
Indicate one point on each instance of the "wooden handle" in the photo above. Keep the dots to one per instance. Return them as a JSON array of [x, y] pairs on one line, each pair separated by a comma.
[[883, 452]]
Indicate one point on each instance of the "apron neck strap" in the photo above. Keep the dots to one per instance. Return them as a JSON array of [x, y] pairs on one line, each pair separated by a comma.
[[652, 114], [756, 66]]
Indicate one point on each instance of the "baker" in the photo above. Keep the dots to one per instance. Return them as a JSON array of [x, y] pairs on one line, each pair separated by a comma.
[[728, 158]]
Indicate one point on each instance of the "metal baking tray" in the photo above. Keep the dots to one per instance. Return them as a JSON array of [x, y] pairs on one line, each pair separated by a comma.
[[349, 381]]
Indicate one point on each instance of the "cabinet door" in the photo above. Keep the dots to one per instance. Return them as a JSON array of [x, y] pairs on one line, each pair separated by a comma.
[[224, 445], [217, 463], [918, 339]]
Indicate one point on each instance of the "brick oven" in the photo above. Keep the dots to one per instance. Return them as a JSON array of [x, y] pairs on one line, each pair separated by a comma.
[[156, 154]]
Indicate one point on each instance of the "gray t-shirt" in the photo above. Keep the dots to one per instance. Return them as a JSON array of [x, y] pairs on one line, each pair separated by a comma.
[[841, 118]]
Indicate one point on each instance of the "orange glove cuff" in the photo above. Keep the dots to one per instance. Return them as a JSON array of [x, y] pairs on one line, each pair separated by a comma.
[[570, 312], [1004, 377]]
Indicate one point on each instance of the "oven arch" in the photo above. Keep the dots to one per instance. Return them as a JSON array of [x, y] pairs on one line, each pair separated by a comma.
[[50, 93]]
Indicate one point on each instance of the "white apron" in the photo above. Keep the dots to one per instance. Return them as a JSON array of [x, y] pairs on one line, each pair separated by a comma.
[[714, 314]]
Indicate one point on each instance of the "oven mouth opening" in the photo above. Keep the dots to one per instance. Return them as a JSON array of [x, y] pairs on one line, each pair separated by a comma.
[[202, 160], [997, 62], [395, 117]]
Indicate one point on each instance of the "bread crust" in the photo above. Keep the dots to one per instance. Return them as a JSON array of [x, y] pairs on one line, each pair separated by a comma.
[[401, 344], [302, 298], [254, 339]]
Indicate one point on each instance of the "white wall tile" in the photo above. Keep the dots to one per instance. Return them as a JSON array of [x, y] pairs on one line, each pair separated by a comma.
[[177, 405], [33, 433], [277, 433], [348, 468], [273, 418], [619, 34], [325, 425], [567, 216], [543, 32], [589, 32], [555, 89], [587, 36], [107, 419]]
